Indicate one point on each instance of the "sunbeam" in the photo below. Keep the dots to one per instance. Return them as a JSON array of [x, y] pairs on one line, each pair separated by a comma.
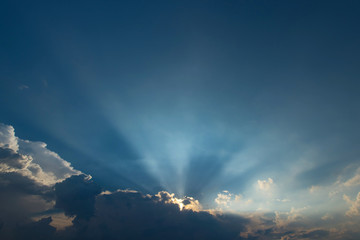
[[179, 120]]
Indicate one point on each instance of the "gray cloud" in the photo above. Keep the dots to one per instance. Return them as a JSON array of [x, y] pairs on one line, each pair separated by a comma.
[[20, 198], [76, 196], [132, 215], [28, 171]]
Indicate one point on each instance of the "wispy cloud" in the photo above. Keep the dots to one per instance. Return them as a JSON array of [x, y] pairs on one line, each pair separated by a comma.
[[23, 87]]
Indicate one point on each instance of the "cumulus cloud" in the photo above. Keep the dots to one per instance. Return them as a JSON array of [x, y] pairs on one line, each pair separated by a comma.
[[133, 215], [31, 159], [28, 172], [20, 198], [265, 185], [58, 219], [186, 203], [76, 196], [284, 219], [223, 198], [7, 137], [226, 200]]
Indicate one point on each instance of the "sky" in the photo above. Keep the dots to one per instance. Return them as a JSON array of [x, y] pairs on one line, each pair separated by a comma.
[[231, 119]]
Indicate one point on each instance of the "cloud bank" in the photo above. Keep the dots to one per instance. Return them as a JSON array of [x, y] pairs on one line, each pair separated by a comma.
[[43, 197]]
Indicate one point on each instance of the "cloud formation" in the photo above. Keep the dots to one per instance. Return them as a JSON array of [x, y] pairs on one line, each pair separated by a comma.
[[31, 159], [133, 215], [28, 172], [43, 197]]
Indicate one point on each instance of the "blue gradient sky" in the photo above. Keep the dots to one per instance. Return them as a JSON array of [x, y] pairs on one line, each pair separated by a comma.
[[192, 97]]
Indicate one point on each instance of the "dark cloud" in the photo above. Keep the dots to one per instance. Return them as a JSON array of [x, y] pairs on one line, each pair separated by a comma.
[[40, 230], [319, 234], [273, 233], [28, 171], [128, 214], [16, 187], [20, 197], [132, 215], [316, 234], [76, 196]]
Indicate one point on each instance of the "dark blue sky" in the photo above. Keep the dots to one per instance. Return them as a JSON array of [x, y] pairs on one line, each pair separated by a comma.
[[157, 95]]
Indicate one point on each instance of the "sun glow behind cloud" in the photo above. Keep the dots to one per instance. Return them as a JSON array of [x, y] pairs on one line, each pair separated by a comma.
[[178, 143], [169, 143], [261, 200]]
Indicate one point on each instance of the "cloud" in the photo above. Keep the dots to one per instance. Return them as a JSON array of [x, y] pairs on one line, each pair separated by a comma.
[[314, 189], [354, 209], [265, 185], [327, 217], [76, 196], [20, 198], [133, 215], [28, 172], [266, 226], [186, 203], [284, 219], [36, 230], [23, 87], [7, 137], [36, 180], [354, 181], [224, 198], [307, 234], [226, 201], [58, 220], [31, 159]]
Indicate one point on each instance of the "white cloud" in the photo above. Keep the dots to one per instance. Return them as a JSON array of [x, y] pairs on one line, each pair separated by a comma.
[[229, 201], [223, 199], [7, 137], [265, 185], [31, 159], [186, 203]]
